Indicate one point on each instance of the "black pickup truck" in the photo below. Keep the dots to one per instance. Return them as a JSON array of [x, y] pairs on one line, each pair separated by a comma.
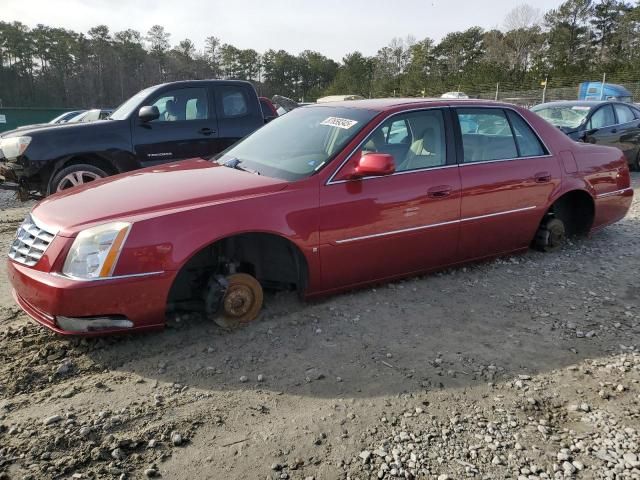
[[160, 124]]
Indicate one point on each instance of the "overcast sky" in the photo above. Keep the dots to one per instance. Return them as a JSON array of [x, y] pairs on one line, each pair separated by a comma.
[[332, 27]]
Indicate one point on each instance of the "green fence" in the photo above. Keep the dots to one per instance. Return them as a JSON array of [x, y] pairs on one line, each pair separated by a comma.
[[11, 118]]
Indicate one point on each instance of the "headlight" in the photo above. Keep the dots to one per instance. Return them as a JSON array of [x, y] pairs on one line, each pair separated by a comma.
[[13, 147], [95, 251]]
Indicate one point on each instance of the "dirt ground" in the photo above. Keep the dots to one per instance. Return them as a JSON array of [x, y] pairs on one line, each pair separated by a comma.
[[522, 368]]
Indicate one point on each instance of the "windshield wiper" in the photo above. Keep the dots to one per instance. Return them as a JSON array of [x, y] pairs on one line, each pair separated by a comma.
[[235, 163]]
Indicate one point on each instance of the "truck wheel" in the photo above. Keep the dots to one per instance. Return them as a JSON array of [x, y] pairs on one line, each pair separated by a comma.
[[551, 236], [75, 175], [241, 303]]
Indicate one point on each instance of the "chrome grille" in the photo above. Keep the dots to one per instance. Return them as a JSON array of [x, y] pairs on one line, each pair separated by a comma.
[[30, 243]]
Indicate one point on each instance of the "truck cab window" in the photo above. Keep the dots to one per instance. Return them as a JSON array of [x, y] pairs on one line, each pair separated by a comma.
[[182, 104], [234, 103]]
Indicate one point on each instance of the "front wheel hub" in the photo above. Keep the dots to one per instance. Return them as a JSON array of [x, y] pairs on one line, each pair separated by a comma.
[[242, 301]]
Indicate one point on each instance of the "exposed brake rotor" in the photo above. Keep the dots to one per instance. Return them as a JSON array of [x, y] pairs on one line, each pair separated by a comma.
[[241, 302]]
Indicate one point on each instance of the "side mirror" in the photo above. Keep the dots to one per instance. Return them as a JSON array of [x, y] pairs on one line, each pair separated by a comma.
[[374, 165], [584, 136], [148, 113]]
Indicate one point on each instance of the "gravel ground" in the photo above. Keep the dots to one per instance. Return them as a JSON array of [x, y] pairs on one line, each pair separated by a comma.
[[524, 368]]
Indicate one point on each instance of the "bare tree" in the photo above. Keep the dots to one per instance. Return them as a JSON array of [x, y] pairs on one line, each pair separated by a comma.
[[522, 35], [524, 16]]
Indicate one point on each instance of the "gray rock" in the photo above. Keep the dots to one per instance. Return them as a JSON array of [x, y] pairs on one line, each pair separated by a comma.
[[117, 454], [150, 472], [568, 468], [176, 439], [365, 455], [52, 419]]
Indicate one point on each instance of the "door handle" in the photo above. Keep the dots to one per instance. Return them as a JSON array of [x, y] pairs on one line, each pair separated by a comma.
[[615, 130], [542, 177], [440, 191], [206, 131]]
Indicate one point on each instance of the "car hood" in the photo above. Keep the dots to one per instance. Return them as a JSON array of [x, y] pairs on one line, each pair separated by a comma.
[[23, 128], [45, 128], [150, 192]]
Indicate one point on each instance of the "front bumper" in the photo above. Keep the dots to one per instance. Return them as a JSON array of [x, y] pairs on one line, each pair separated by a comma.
[[129, 303], [13, 177]]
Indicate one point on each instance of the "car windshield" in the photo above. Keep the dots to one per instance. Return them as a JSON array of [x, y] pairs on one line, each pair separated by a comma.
[[124, 110], [299, 143], [77, 117], [568, 116]]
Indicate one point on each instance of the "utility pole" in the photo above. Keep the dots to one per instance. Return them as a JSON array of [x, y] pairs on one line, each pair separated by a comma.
[[544, 90], [497, 90], [604, 79]]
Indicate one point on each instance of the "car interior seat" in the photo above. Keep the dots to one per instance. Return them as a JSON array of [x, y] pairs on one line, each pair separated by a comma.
[[426, 151], [201, 109], [171, 111]]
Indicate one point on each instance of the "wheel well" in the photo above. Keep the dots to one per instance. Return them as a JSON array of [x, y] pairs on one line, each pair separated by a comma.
[[88, 158], [276, 262], [576, 209]]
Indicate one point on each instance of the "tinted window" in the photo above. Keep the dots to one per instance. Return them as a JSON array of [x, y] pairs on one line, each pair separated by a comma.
[[416, 140], [486, 135], [234, 102], [182, 104], [624, 113], [603, 117], [528, 143]]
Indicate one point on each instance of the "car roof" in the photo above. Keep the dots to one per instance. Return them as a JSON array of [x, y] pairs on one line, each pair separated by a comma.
[[203, 82], [383, 104], [576, 103]]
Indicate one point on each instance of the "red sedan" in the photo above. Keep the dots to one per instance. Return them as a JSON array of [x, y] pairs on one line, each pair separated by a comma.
[[325, 198]]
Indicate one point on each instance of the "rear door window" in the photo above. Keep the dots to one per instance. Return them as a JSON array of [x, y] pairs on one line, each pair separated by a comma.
[[234, 101], [624, 113], [486, 135], [529, 144], [602, 117]]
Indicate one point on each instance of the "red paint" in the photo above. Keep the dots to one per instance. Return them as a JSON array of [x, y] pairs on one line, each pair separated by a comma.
[[374, 165], [413, 222]]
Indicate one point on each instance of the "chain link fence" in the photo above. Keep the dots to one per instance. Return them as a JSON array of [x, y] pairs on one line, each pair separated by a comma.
[[557, 88]]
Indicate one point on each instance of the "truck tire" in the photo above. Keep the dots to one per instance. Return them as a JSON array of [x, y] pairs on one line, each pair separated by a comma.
[[75, 175]]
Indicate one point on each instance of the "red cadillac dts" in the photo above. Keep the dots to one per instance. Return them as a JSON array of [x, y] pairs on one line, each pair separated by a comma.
[[326, 198]]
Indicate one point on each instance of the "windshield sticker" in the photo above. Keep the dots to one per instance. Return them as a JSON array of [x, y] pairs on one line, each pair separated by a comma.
[[343, 123], [577, 107]]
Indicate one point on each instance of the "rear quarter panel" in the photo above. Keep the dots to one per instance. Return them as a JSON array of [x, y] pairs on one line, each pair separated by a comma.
[[605, 173], [599, 170]]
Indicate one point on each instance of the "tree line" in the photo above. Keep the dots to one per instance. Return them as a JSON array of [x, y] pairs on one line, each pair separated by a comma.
[[56, 67]]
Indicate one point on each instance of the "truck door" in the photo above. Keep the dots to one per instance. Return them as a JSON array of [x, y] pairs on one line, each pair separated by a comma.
[[187, 127], [239, 112]]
